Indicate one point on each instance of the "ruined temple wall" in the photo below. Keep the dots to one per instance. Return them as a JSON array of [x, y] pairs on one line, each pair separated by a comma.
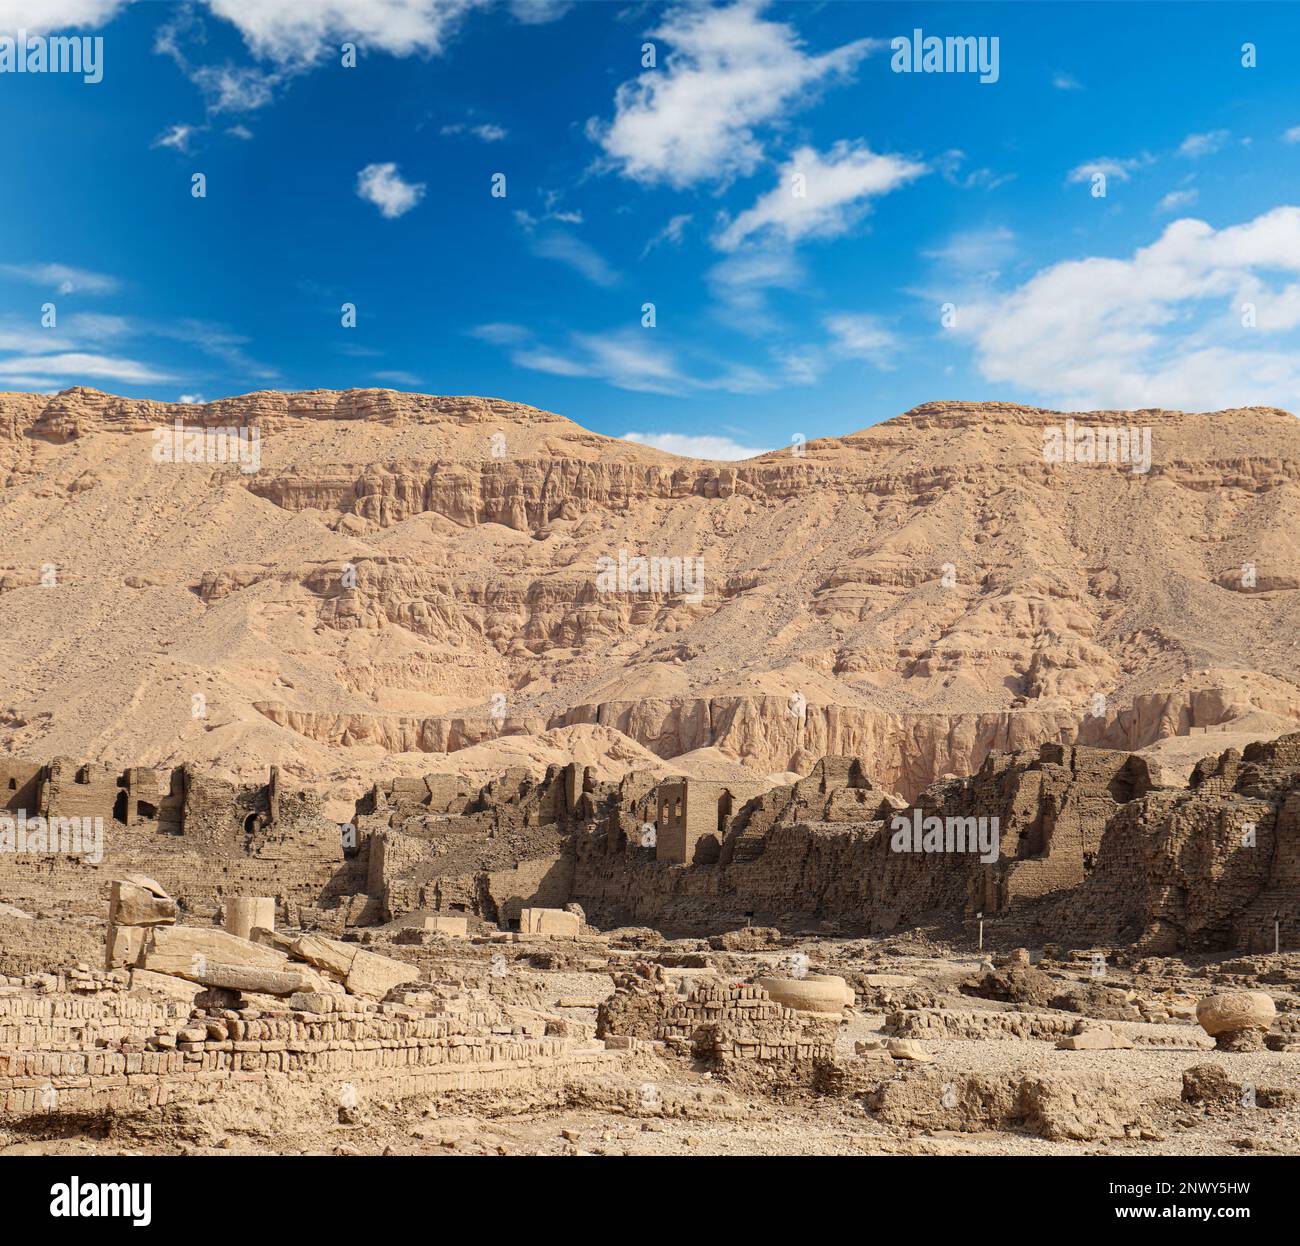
[[70, 790], [1175, 871], [20, 786], [542, 882], [804, 874]]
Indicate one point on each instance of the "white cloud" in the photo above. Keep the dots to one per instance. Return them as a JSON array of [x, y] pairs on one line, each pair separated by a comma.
[[1292, 135], [1067, 82], [176, 137], [849, 336], [499, 334], [568, 248], [861, 336], [382, 185], [563, 245], [834, 193], [487, 132], [949, 165], [1176, 200], [78, 364], [1160, 329], [240, 132], [693, 118], [975, 252], [98, 347], [670, 233], [235, 88], [700, 446], [630, 358], [1197, 145], [396, 376], [1108, 166], [190, 400], [291, 32], [38, 16], [61, 277], [539, 12], [741, 283]]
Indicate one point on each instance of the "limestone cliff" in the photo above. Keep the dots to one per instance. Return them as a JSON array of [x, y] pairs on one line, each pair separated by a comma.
[[403, 574]]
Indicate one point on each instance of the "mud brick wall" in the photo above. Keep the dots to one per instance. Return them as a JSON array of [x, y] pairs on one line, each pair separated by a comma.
[[63, 1022], [804, 874], [723, 1023], [543, 882], [1173, 873], [73, 790], [786, 1042], [406, 1055], [20, 786]]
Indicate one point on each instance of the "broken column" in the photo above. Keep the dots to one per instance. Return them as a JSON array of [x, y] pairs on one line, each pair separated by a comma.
[[244, 914]]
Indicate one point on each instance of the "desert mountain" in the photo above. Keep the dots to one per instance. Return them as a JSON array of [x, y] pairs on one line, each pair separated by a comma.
[[410, 583]]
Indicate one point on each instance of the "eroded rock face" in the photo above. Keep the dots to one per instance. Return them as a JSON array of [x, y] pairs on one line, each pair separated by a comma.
[[419, 554], [1059, 1107], [1237, 1020]]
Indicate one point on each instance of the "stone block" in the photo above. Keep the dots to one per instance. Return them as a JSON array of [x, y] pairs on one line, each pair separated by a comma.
[[328, 955], [373, 976], [186, 950], [554, 923], [136, 900], [123, 946]]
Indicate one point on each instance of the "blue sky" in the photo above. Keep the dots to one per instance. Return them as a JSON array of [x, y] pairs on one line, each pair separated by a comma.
[[776, 313]]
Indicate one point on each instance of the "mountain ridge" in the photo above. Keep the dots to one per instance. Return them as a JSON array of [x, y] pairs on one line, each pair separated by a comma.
[[918, 592]]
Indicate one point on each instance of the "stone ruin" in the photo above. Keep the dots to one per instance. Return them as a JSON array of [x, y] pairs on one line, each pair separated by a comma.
[[260, 958], [1090, 848], [187, 1015]]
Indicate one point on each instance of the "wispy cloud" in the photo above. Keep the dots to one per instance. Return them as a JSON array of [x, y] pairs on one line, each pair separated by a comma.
[[567, 248], [61, 277], [1196, 145], [949, 166], [177, 137], [820, 196], [551, 237], [861, 336], [77, 364], [486, 131], [1113, 169], [1066, 82], [975, 252], [670, 233], [538, 12], [1176, 200], [641, 360], [740, 284]]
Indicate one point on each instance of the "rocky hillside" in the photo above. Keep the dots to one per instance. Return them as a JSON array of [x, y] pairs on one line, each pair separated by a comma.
[[405, 575]]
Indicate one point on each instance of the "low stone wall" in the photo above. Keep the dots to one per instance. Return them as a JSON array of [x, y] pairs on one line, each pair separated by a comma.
[[49, 1063], [723, 1023]]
